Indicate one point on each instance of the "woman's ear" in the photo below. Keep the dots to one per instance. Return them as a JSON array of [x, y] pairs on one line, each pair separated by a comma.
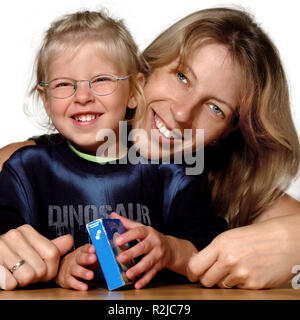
[[43, 96], [132, 103]]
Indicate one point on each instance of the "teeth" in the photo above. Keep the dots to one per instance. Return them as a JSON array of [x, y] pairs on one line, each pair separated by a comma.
[[86, 117], [163, 130]]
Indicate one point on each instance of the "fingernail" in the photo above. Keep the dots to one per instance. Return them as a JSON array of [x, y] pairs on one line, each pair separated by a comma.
[[83, 287], [120, 258], [138, 286], [118, 240], [130, 274]]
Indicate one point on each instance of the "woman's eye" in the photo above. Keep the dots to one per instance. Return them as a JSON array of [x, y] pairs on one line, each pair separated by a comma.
[[182, 77], [216, 110]]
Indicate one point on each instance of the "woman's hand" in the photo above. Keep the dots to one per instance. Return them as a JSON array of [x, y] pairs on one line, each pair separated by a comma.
[[253, 257], [41, 256], [77, 265]]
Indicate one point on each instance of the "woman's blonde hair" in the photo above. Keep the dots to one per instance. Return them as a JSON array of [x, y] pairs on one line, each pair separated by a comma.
[[254, 164], [110, 36]]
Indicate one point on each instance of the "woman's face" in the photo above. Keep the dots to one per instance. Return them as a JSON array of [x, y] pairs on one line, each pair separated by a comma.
[[202, 96]]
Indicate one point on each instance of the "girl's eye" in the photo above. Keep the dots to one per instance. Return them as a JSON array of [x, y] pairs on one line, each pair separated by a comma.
[[182, 77], [61, 83], [216, 110], [102, 79], [65, 84]]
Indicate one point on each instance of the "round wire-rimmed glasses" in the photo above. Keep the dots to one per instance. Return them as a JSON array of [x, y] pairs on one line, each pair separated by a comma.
[[100, 85]]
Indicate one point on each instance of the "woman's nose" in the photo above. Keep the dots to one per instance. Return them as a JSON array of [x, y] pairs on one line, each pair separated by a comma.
[[184, 111], [83, 93]]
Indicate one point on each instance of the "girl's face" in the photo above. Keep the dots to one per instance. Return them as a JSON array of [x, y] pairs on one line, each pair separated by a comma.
[[80, 117], [203, 96]]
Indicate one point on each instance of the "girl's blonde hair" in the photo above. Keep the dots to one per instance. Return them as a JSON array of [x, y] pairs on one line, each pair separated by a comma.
[[254, 164], [69, 33]]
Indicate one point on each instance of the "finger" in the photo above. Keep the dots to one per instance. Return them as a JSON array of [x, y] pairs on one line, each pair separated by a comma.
[[87, 248], [49, 251], [143, 265], [24, 275], [91, 249], [81, 272], [201, 262], [85, 259], [128, 224], [73, 283], [138, 232], [114, 215], [7, 280], [238, 277], [64, 243], [213, 275], [225, 283], [133, 252], [147, 277], [18, 244]]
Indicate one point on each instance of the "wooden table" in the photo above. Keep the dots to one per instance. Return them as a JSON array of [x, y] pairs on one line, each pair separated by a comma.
[[154, 292], [177, 301]]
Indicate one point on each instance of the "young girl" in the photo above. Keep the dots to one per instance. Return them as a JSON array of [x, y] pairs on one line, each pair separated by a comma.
[[88, 76]]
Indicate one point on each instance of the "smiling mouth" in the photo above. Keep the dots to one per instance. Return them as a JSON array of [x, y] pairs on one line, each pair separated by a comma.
[[166, 132], [85, 117]]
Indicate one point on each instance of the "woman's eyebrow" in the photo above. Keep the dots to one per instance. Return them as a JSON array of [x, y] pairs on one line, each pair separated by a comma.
[[191, 71]]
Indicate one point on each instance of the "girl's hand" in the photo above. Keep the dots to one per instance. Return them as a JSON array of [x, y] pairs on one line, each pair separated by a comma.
[[77, 265], [253, 257], [152, 244]]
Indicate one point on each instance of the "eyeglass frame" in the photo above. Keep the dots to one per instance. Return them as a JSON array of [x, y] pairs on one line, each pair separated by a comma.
[[47, 84]]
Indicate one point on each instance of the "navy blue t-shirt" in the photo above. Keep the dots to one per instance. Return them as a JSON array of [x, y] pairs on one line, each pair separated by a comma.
[[57, 192]]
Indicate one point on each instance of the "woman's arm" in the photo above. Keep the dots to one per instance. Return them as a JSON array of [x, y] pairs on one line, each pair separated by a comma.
[[286, 205], [261, 255], [8, 150], [44, 139]]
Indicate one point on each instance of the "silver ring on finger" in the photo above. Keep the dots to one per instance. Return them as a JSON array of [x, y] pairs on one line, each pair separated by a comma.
[[225, 285], [16, 266]]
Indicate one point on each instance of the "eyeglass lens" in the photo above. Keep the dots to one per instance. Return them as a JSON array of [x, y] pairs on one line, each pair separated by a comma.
[[100, 85]]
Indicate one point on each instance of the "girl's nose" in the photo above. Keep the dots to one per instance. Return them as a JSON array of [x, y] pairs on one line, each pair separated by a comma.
[[83, 93]]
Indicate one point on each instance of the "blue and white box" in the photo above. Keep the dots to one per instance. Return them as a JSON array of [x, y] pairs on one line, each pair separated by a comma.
[[103, 233]]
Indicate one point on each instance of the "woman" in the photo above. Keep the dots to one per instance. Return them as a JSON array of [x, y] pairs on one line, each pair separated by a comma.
[[259, 158], [252, 135]]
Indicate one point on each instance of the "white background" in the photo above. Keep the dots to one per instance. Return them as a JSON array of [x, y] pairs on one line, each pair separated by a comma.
[[23, 23]]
